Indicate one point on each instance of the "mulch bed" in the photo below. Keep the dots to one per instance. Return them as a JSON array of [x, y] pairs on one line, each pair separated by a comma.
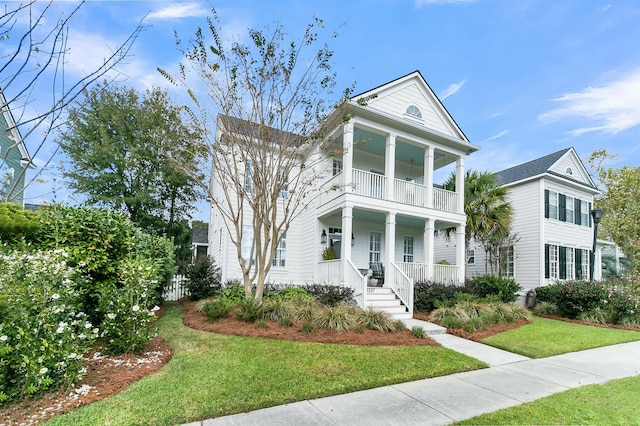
[[231, 325]]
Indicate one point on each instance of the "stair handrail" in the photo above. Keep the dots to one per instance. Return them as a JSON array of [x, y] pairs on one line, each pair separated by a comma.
[[354, 279], [402, 285]]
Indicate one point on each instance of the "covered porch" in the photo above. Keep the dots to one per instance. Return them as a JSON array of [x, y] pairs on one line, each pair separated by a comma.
[[401, 245]]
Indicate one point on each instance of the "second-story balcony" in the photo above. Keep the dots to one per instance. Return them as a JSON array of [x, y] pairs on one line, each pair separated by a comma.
[[374, 185]]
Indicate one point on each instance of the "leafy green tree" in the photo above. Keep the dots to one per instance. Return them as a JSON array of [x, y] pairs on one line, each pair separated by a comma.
[[125, 149], [34, 40], [619, 199], [488, 212]]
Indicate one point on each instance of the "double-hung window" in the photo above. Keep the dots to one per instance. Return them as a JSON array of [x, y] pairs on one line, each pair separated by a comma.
[[280, 258], [375, 247], [408, 249]]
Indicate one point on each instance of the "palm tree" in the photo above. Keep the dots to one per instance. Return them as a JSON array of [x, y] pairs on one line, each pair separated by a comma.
[[486, 206]]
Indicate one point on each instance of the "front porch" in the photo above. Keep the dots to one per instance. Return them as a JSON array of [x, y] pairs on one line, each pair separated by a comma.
[[399, 285]]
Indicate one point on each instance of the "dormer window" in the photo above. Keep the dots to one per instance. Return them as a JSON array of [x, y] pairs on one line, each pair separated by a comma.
[[569, 171], [414, 112]]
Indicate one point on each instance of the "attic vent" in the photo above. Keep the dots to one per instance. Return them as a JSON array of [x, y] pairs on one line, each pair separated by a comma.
[[414, 111], [569, 171]]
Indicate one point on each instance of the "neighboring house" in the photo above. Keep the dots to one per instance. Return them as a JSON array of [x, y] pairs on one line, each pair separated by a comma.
[[378, 207], [199, 240], [551, 197], [14, 158]]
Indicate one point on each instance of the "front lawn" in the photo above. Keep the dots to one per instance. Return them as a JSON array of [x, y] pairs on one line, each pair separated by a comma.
[[546, 337], [612, 403], [212, 375]]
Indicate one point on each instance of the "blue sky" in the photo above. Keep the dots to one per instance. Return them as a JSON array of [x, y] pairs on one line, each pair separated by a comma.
[[521, 78]]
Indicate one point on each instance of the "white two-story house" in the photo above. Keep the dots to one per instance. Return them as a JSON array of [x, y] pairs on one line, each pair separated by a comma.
[[552, 199], [378, 206]]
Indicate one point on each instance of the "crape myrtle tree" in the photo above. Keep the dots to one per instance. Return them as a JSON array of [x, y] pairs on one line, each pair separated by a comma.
[[37, 89], [124, 149], [268, 99], [488, 214], [619, 199]]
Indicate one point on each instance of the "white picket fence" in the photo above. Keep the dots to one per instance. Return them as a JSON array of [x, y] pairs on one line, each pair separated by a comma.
[[176, 290]]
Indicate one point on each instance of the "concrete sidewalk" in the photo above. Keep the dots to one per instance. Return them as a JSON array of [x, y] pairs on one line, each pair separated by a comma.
[[512, 380]]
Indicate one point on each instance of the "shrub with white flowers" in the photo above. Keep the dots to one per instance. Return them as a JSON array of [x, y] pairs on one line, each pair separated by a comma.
[[43, 331], [127, 306]]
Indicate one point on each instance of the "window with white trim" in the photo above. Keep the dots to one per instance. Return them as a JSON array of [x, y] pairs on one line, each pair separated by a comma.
[[279, 260], [336, 167], [414, 111], [553, 205], [249, 185], [407, 255], [570, 264], [584, 213], [507, 261], [246, 243], [375, 247], [471, 256], [569, 210]]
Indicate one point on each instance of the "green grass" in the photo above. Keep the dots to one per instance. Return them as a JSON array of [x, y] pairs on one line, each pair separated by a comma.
[[613, 403], [213, 375], [545, 337]]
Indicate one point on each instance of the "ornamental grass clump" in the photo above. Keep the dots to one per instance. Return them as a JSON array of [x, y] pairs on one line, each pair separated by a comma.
[[43, 331], [337, 318], [376, 320], [471, 315], [215, 309]]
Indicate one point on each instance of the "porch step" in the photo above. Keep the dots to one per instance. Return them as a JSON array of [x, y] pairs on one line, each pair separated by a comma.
[[385, 300]]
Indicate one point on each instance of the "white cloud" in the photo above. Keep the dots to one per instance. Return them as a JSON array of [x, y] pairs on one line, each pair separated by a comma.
[[499, 135], [420, 3], [179, 10], [612, 107], [452, 89]]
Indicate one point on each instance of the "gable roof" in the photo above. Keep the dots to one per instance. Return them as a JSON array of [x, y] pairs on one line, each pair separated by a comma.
[[538, 167], [433, 102], [8, 125]]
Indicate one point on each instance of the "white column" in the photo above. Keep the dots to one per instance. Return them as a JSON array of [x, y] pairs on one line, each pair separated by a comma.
[[347, 156], [347, 229], [428, 250], [390, 164], [428, 176], [460, 183], [461, 252], [597, 270], [389, 245]]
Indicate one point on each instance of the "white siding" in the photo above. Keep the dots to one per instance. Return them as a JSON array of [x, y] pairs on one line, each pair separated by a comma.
[[528, 212], [572, 162], [396, 102]]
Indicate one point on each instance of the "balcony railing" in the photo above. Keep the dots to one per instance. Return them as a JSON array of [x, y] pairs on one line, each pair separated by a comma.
[[369, 184], [374, 185]]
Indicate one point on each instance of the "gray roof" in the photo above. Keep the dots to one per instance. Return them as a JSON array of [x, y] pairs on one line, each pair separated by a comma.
[[200, 235], [529, 169]]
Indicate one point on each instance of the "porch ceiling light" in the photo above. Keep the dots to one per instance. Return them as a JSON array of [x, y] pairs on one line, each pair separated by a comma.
[[323, 237], [353, 240]]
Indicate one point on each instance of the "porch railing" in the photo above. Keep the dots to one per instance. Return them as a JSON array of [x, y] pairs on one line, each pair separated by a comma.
[[444, 274], [369, 184], [330, 271], [355, 280], [445, 200], [410, 193], [402, 285]]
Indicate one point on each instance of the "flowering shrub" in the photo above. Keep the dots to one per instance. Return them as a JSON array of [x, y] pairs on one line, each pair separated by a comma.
[[43, 332], [126, 308], [577, 297], [621, 304]]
